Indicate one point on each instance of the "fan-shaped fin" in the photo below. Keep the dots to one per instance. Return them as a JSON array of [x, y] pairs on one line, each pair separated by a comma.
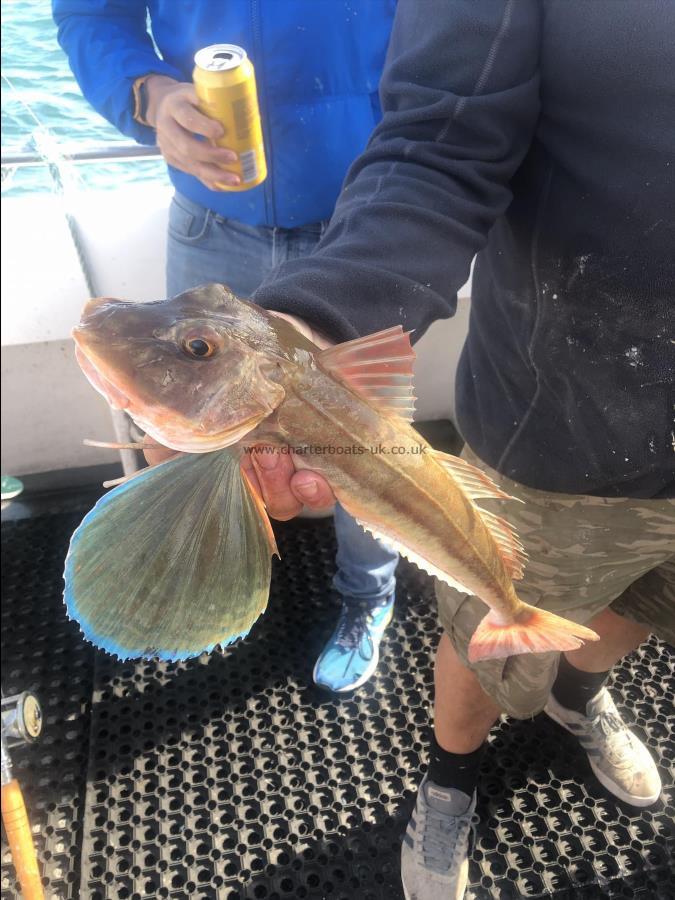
[[173, 562], [379, 367]]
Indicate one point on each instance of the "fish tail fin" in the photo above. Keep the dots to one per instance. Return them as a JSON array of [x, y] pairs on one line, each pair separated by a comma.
[[535, 631], [174, 562]]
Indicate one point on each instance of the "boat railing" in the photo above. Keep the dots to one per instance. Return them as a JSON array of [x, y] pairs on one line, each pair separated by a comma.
[[94, 153]]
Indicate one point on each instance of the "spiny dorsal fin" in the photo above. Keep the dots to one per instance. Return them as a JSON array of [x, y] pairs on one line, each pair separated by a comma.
[[513, 552], [379, 367], [478, 485], [473, 481]]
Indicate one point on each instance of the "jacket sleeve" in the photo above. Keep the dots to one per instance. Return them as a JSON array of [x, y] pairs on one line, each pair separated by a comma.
[[108, 48], [460, 99]]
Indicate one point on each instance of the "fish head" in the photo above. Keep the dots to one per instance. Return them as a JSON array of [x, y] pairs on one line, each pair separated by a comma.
[[196, 372]]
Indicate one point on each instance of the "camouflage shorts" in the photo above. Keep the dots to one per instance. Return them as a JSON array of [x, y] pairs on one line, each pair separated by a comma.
[[585, 554]]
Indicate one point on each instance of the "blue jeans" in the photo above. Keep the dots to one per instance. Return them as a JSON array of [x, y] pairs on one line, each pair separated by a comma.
[[204, 247]]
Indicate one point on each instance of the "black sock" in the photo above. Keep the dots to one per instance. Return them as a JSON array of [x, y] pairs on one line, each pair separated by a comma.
[[574, 688], [454, 770]]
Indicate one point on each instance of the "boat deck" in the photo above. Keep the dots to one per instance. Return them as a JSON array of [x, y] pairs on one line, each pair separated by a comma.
[[232, 777]]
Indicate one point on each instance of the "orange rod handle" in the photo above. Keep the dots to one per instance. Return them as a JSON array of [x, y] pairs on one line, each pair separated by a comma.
[[20, 841]]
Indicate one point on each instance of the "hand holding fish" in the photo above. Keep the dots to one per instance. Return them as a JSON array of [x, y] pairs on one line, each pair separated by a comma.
[[285, 489], [178, 559]]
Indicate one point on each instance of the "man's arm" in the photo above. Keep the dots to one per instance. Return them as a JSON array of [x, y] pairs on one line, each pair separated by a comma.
[[108, 48], [460, 96], [113, 59]]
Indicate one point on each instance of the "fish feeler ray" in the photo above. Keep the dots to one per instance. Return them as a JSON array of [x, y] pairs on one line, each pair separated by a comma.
[[116, 482], [119, 445]]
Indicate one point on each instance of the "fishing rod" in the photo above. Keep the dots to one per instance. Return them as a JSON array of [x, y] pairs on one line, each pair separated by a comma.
[[21, 724]]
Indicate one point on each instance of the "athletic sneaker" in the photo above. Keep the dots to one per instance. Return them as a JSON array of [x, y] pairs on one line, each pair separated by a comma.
[[620, 761], [351, 655], [435, 850]]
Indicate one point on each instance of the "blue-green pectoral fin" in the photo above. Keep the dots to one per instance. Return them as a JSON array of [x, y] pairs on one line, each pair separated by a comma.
[[172, 563]]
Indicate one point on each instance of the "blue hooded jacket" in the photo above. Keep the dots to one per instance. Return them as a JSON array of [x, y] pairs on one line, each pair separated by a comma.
[[317, 64]]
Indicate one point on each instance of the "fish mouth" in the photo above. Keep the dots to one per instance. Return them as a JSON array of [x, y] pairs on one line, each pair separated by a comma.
[[190, 442], [115, 397]]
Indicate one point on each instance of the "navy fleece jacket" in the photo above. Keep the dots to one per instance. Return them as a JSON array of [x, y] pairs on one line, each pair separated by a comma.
[[539, 134]]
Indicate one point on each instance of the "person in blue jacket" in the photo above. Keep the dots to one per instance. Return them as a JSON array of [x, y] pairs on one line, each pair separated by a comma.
[[317, 69]]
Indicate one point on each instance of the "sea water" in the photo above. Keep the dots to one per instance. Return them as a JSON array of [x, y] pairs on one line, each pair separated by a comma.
[[40, 96]]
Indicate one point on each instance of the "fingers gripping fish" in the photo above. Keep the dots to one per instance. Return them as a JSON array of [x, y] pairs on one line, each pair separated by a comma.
[[177, 560]]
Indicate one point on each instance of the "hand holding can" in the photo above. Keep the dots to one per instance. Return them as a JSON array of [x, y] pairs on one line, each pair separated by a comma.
[[224, 81], [173, 111]]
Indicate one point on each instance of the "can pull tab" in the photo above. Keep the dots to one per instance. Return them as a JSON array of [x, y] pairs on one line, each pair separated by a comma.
[[220, 60]]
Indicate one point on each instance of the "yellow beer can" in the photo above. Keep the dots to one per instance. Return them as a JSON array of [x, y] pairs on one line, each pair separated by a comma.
[[225, 84]]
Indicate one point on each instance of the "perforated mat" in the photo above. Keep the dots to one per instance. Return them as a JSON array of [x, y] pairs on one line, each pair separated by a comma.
[[231, 776]]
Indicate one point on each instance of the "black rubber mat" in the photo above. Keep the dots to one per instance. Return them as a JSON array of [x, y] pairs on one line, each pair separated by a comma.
[[43, 652], [231, 777]]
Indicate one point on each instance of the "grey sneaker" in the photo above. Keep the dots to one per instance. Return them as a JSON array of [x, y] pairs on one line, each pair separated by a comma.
[[435, 850], [620, 761]]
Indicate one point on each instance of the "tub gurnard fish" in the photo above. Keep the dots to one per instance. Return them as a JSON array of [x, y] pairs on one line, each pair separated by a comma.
[[177, 560]]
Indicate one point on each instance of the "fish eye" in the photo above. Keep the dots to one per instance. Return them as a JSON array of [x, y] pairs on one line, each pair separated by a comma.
[[199, 348]]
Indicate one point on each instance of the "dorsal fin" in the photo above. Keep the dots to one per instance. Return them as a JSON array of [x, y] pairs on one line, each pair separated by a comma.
[[513, 552], [478, 485], [379, 367]]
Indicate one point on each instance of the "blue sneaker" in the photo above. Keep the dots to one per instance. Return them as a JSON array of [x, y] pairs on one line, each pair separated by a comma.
[[351, 655]]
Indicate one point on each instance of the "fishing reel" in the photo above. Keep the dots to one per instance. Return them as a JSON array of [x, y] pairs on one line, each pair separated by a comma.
[[21, 719], [21, 724]]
